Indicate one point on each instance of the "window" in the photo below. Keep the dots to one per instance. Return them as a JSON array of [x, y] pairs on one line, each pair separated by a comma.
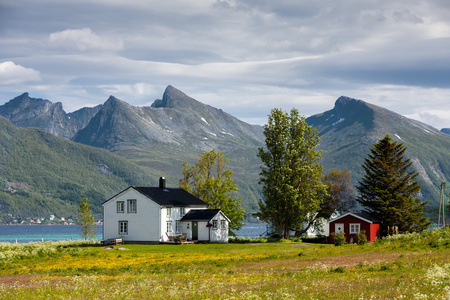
[[223, 224], [354, 228], [182, 211], [123, 227], [132, 208], [215, 225], [120, 207], [169, 212], [169, 228], [177, 227]]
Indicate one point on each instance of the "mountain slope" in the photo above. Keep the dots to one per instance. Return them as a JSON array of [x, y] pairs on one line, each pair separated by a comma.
[[24, 111], [351, 128], [176, 119], [175, 129], [42, 174]]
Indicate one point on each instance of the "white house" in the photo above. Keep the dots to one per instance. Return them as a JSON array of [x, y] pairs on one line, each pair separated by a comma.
[[156, 214], [206, 225]]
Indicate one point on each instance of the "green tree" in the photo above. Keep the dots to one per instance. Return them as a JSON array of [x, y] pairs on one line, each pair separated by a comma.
[[388, 191], [290, 175], [86, 221], [211, 180]]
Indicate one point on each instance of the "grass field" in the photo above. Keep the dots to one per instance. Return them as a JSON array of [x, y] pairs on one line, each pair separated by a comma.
[[400, 267]]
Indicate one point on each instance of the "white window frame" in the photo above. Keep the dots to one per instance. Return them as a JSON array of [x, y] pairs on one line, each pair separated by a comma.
[[123, 227], [177, 226], [169, 212], [120, 207], [132, 206], [169, 227], [182, 211], [223, 224], [354, 228], [215, 224]]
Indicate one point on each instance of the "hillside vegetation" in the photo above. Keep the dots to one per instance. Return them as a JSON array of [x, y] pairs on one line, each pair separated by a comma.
[[412, 266], [42, 174]]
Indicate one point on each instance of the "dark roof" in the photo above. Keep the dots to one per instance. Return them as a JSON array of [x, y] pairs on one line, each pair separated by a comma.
[[200, 214], [360, 215], [170, 196]]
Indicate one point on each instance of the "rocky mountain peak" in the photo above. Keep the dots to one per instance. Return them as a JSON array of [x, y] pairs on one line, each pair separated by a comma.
[[347, 104], [172, 98], [114, 102]]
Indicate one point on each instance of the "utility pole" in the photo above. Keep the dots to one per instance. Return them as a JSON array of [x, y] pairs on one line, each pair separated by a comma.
[[441, 207]]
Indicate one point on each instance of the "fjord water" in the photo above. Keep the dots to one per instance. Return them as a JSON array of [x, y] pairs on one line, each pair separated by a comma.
[[39, 233]]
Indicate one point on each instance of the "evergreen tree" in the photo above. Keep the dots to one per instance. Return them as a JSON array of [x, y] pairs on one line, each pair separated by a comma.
[[291, 176], [388, 191], [211, 180], [86, 221]]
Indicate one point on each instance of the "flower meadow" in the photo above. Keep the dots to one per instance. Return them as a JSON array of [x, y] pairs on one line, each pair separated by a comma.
[[410, 266]]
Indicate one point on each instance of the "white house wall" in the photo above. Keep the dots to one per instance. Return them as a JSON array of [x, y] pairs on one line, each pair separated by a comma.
[[219, 235], [203, 231], [144, 225], [176, 216]]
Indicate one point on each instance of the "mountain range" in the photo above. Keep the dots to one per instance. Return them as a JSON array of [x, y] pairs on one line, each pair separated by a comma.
[[154, 141], [351, 128]]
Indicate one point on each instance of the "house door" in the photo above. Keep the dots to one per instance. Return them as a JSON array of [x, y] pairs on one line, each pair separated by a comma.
[[338, 227], [194, 230]]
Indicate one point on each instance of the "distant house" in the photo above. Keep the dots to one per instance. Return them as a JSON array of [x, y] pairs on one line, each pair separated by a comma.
[[158, 214], [352, 223]]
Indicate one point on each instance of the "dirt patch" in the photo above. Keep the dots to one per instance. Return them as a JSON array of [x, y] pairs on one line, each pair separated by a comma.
[[28, 280], [348, 260], [23, 280]]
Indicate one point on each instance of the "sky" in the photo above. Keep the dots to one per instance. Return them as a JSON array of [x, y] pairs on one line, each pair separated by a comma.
[[244, 57]]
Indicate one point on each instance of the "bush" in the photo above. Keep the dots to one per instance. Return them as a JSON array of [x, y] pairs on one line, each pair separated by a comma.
[[438, 238], [338, 270], [339, 238], [361, 237], [245, 240]]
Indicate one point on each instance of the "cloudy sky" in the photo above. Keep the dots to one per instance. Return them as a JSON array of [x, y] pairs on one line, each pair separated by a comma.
[[245, 57]]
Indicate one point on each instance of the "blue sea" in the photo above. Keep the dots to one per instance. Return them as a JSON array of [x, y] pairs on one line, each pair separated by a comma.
[[42, 233], [39, 233]]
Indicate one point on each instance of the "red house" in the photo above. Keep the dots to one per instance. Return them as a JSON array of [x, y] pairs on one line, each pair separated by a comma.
[[352, 223]]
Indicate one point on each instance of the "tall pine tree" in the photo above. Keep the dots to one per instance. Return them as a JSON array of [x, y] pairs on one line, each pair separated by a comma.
[[388, 191]]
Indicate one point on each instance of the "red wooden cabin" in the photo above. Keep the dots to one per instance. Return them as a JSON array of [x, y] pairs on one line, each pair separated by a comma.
[[352, 223]]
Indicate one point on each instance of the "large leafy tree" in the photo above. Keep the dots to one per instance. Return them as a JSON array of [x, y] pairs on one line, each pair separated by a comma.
[[388, 191], [86, 221], [342, 194], [291, 175], [211, 180]]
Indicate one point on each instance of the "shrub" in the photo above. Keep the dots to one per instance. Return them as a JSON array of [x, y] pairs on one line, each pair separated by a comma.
[[361, 237], [339, 270], [245, 240], [339, 238]]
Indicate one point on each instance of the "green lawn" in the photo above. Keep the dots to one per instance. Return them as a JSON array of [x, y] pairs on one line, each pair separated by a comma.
[[401, 267]]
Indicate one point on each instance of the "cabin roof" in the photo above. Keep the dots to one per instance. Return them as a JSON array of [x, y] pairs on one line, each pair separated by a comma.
[[200, 214], [360, 215]]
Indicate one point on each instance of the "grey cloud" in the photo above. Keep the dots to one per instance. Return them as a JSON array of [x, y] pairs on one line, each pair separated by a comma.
[[242, 56], [406, 16]]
